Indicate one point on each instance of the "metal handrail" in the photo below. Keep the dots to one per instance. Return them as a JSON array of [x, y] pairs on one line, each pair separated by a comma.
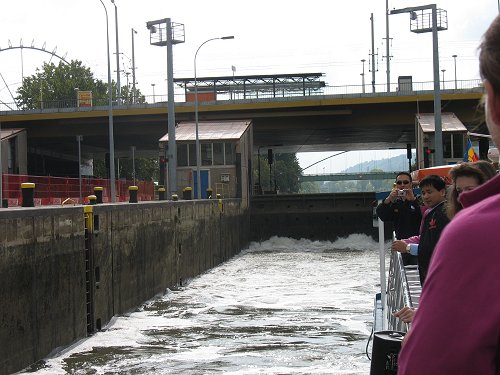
[[159, 100], [398, 292]]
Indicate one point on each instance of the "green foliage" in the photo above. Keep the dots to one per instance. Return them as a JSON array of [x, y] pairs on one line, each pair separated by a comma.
[[146, 169], [285, 173], [54, 86]]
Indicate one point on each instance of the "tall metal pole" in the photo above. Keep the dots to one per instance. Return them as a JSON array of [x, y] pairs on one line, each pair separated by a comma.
[[172, 147], [197, 145], [455, 65], [154, 97], [387, 52], [110, 117], [373, 55], [363, 75], [133, 163], [438, 129], [79, 140], [133, 66], [442, 71], [118, 86]]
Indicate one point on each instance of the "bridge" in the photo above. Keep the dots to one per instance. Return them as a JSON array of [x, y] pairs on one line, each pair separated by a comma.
[[363, 176], [333, 118]]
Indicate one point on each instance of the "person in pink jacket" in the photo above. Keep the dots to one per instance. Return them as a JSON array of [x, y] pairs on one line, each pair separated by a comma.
[[456, 329]]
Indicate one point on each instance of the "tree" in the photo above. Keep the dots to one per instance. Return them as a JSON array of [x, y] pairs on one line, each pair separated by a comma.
[[54, 86], [285, 173]]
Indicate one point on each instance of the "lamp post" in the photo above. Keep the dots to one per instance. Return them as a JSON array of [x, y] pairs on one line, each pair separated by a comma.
[[154, 97], [118, 86], [443, 70], [133, 67], [198, 179], [79, 139], [363, 75], [455, 65], [110, 117], [419, 26]]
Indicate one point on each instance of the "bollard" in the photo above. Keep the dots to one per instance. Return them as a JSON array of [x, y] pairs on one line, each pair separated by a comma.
[[161, 193], [92, 199], [28, 193], [132, 192], [175, 197], [98, 193], [187, 193], [209, 193]]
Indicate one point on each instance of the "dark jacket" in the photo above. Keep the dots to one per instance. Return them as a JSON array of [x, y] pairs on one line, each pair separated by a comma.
[[434, 223], [406, 217]]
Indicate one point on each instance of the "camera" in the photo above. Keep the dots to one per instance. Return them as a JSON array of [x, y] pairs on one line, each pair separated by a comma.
[[401, 193]]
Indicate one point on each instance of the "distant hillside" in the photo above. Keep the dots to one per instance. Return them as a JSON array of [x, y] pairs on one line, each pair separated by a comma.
[[396, 163]]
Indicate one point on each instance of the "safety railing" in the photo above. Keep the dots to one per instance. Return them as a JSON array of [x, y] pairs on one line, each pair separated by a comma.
[[160, 100], [54, 190], [398, 292]]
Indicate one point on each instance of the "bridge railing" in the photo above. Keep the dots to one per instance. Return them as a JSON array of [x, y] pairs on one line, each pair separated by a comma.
[[70, 105], [54, 190]]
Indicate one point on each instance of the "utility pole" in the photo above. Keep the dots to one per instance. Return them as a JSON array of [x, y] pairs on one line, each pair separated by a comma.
[[373, 55], [387, 52], [133, 67]]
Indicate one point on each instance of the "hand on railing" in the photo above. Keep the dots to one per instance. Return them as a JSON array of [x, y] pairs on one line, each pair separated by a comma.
[[406, 314]]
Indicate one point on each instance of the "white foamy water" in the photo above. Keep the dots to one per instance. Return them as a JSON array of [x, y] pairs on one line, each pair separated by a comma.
[[282, 306]]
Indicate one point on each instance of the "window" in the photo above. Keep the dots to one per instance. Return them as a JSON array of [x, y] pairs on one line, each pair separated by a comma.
[[206, 154], [229, 149], [218, 153], [182, 155], [192, 154]]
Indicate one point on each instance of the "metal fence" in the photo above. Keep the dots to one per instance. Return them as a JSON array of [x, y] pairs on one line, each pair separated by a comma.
[[160, 100], [55, 190]]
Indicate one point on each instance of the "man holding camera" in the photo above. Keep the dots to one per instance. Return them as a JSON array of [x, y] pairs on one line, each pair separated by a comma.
[[403, 209]]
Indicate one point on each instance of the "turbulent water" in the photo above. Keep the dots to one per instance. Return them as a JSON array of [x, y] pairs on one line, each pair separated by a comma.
[[282, 306]]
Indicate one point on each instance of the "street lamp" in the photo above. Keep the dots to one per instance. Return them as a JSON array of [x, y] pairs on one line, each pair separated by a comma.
[[420, 22], [455, 64], [118, 87], [198, 179], [79, 139], [443, 70], [363, 75], [110, 117], [154, 97]]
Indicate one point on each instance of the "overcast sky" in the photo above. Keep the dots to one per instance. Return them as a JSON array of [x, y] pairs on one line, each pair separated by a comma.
[[271, 37]]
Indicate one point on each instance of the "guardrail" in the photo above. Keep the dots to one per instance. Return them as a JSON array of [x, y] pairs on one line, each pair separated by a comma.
[[398, 293], [54, 190], [70, 105]]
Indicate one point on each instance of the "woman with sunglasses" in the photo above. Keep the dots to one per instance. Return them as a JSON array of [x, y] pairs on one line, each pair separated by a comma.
[[402, 208]]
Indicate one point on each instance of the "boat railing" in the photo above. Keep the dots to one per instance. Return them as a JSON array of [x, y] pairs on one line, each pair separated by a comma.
[[401, 286]]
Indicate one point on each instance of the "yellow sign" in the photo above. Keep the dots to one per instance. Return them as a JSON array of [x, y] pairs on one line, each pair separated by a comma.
[[84, 98]]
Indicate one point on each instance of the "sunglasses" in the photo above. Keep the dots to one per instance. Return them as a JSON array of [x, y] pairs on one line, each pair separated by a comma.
[[402, 182]]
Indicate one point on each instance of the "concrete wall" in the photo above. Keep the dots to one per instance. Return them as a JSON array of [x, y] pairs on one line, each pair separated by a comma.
[[134, 252], [312, 216]]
